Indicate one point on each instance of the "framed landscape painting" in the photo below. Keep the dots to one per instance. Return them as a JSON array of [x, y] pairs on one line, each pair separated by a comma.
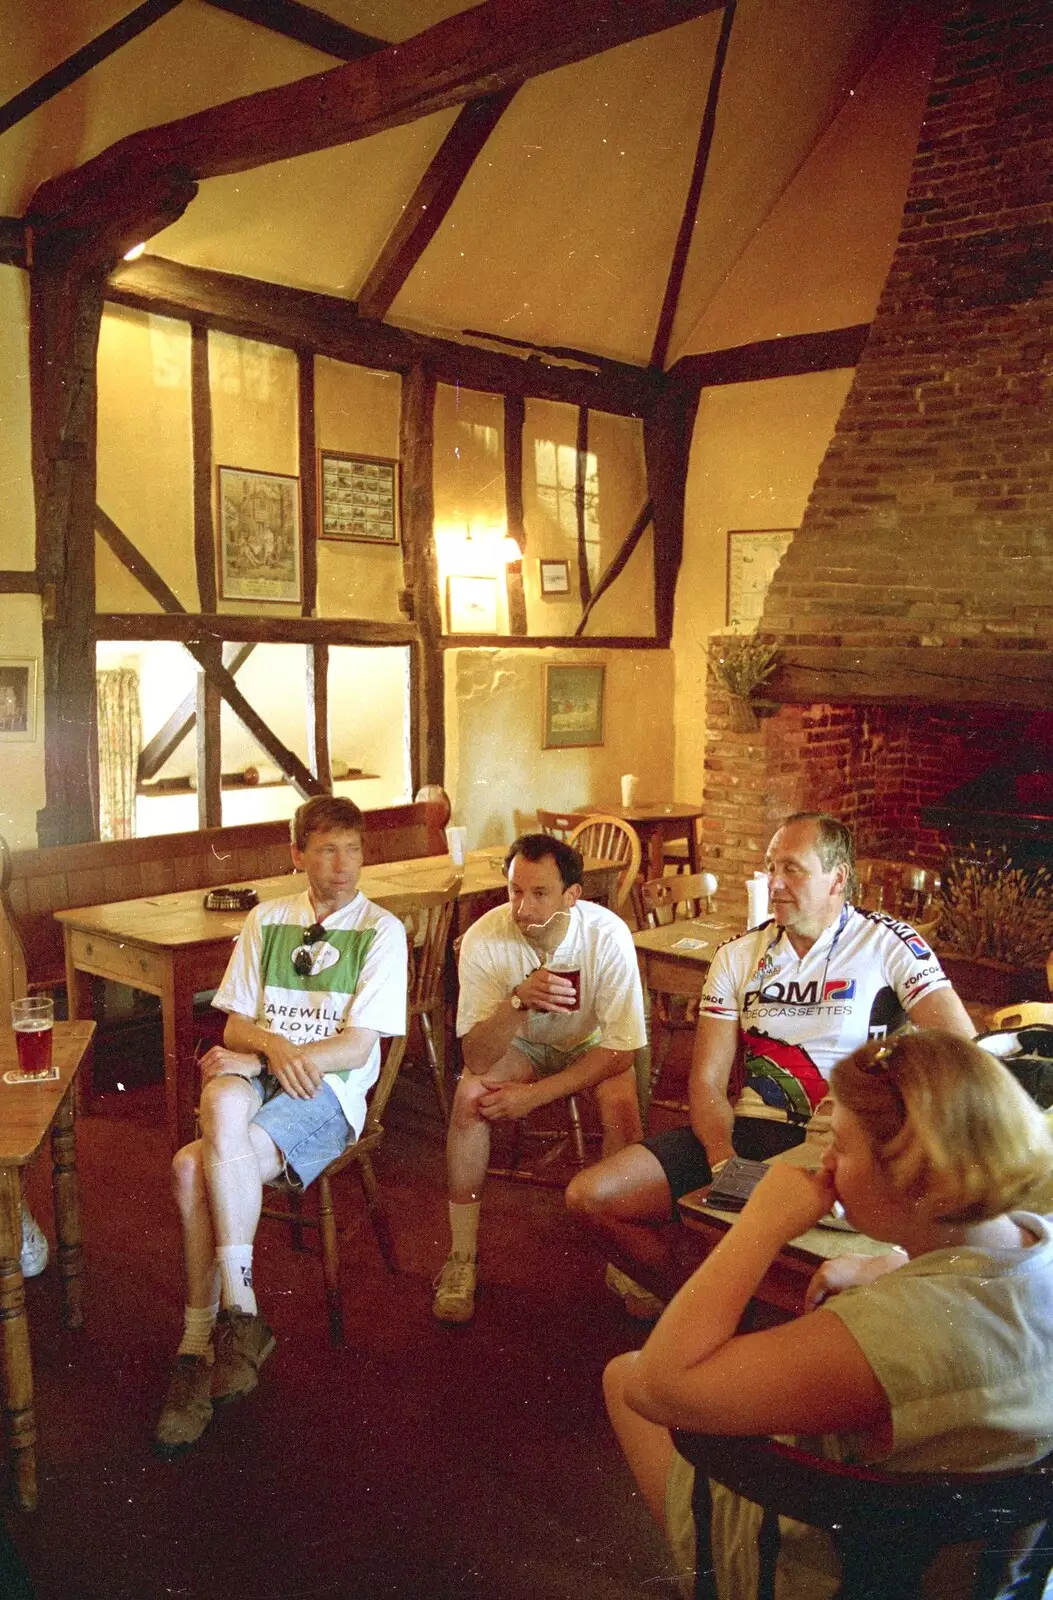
[[573, 706]]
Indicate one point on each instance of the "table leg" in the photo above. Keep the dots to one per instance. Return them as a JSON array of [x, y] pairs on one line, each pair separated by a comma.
[[80, 1008], [181, 1085], [14, 1346], [693, 853], [655, 854], [65, 1189]]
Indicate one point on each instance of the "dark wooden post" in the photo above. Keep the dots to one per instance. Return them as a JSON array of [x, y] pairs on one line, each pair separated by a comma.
[[65, 313], [421, 568], [319, 758], [209, 757], [667, 443], [515, 413]]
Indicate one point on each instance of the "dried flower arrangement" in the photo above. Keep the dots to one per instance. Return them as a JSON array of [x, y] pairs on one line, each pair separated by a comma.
[[992, 909], [744, 663]]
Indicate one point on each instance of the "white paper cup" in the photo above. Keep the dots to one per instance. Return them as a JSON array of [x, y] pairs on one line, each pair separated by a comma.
[[629, 788], [457, 843]]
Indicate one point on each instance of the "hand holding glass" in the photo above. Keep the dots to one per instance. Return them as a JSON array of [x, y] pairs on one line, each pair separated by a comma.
[[33, 1021]]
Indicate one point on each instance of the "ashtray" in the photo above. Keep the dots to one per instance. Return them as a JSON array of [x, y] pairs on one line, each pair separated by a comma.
[[23, 1080], [231, 900]]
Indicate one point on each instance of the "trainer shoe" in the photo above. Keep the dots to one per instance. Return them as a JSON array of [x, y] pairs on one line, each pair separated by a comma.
[[639, 1302], [242, 1343], [187, 1410], [455, 1289], [34, 1245]]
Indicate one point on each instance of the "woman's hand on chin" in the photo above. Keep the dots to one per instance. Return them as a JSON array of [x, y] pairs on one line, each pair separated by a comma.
[[790, 1199]]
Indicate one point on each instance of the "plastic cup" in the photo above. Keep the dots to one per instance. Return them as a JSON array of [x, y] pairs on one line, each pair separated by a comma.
[[629, 788], [574, 975], [457, 844], [33, 1021]]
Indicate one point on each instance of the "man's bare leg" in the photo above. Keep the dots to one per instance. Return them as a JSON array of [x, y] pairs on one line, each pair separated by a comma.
[[618, 1104], [623, 1202]]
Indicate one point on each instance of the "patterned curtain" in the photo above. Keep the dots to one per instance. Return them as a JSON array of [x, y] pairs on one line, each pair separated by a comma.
[[120, 738]]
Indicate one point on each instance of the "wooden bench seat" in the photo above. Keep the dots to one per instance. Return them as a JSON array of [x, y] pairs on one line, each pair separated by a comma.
[[34, 884]]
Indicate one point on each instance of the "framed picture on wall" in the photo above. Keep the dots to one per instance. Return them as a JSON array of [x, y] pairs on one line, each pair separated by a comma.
[[471, 605], [358, 498], [753, 555], [18, 699], [573, 711], [554, 577], [259, 536]]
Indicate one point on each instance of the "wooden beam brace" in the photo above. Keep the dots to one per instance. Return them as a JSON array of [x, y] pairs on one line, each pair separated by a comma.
[[514, 420], [136, 563], [667, 445], [81, 61], [483, 50], [305, 783], [431, 200], [620, 562], [792, 357], [305, 25], [694, 192], [157, 750], [300, 319], [20, 583], [420, 565], [188, 628]]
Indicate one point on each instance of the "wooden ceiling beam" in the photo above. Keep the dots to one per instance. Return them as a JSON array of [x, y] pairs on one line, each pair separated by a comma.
[[301, 319], [791, 357], [305, 25], [483, 50], [431, 200], [188, 627], [81, 61]]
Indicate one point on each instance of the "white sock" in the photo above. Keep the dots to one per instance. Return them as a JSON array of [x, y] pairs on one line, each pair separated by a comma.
[[464, 1228], [235, 1277], [197, 1331]]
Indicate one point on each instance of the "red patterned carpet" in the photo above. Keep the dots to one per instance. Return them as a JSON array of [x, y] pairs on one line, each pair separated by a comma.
[[421, 1460]]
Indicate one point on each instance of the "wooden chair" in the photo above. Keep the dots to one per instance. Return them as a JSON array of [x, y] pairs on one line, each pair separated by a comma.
[[560, 824], [662, 899], [888, 1527], [427, 918], [613, 840], [1024, 1014], [358, 1155]]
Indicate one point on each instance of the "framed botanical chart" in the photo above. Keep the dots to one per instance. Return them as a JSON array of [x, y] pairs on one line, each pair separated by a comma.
[[358, 497], [259, 536], [753, 555]]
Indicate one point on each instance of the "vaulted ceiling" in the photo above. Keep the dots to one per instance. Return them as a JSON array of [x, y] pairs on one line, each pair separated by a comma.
[[560, 201]]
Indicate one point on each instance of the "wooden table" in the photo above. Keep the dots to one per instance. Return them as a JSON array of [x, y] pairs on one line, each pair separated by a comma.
[[656, 823], [675, 958], [27, 1113], [169, 945]]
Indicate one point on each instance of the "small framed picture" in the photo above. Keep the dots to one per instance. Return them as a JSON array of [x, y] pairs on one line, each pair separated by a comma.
[[573, 706], [554, 577], [259, 536], [753, 555], [18, 699], [471, 605], [358, 498]]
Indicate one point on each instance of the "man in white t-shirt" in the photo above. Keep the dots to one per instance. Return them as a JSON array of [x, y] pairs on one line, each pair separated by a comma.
[[783, 1003], [315, 980], [550, 1005]]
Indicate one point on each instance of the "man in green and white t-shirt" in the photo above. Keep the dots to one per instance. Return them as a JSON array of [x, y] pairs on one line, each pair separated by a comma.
[[315, 980]]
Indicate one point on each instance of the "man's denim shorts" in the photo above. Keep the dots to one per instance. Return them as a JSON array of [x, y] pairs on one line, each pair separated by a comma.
[[548, 1058], [309, 1133]]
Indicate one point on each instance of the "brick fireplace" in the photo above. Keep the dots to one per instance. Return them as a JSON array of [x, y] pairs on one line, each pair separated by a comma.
[[913, 612]]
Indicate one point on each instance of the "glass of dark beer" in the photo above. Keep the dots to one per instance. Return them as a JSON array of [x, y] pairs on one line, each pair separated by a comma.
[[33, 1021]]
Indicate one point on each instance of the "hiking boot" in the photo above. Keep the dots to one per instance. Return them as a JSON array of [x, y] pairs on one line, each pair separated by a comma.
[[242, 1343], [34, 1245], [639, 1302], [187, 1410], [455, 1289]]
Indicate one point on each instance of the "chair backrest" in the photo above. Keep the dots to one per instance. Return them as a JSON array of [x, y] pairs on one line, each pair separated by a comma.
[[560, 824], [1025, 1014], [902, 888], [427, 918], [662, 897], [611, 839], [392, 1051], [888, 1526]]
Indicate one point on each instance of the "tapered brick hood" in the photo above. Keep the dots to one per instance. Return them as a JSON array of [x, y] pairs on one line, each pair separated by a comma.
[[923, 568]]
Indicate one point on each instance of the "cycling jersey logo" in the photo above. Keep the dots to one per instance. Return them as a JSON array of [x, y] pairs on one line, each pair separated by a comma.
[[839, 989], [793, 993]]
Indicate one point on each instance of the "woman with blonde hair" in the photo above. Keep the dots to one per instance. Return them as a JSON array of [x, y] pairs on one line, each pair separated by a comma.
[[936, 1356]]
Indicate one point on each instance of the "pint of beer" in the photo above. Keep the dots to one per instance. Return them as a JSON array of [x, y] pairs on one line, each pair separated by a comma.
[[33, 1021]]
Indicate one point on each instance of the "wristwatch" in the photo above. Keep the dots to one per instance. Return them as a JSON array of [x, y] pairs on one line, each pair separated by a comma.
[[515, 1002]]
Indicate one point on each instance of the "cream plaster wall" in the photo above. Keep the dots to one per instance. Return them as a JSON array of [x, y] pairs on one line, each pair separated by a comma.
[[497, 772], [357, 410], [755, 455]]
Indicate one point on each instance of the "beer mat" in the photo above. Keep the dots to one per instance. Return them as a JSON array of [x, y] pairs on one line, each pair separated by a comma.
[[689, 944], [20, 1079], [734, 1184]]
